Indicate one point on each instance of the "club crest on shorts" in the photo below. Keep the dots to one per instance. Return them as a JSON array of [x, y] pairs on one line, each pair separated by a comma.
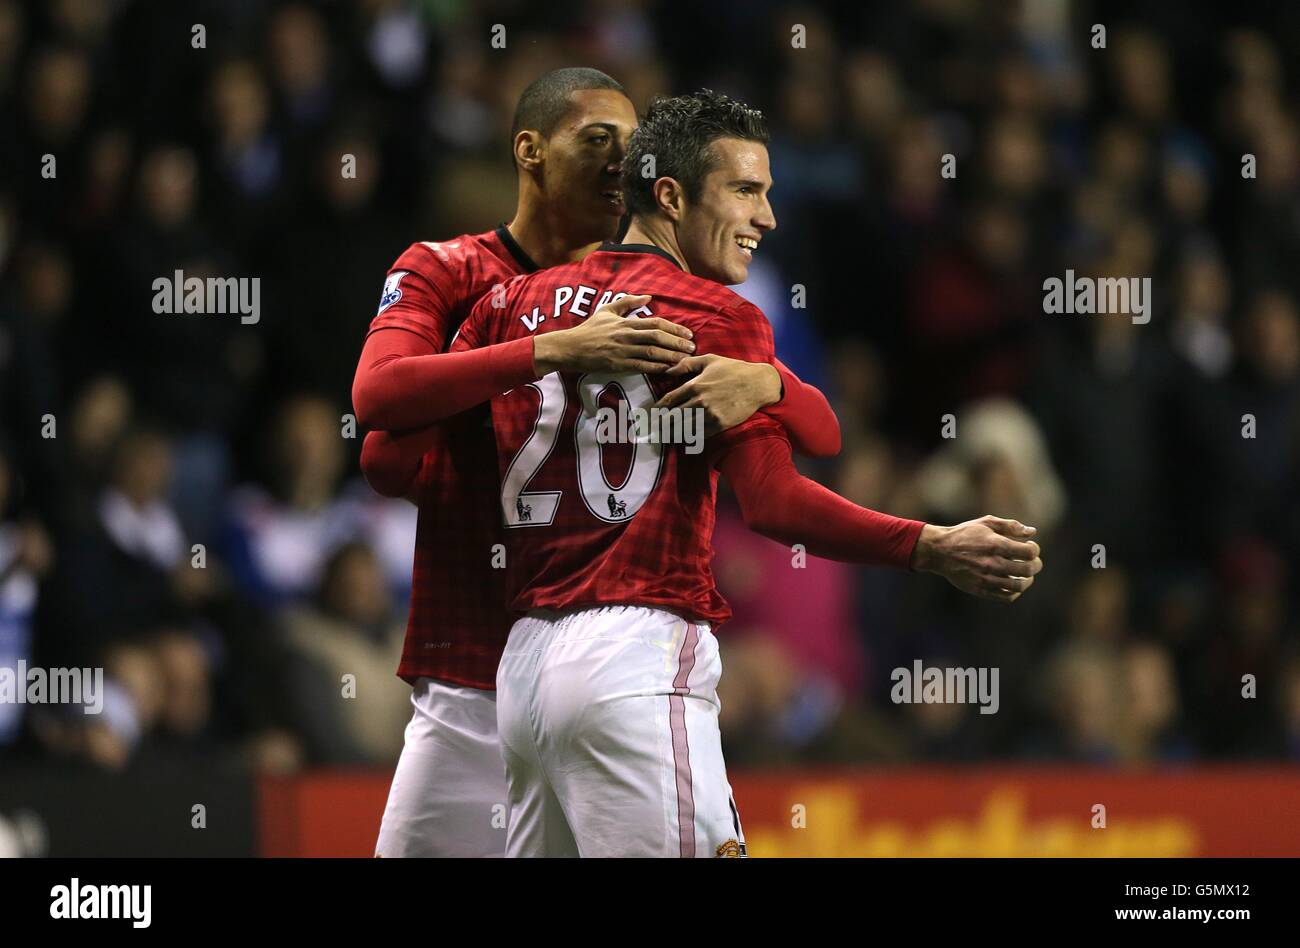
[[731, 849]]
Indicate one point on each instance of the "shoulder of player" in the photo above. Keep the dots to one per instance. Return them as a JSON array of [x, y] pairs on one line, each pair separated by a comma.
[[705, 299], [515, 285], [459, 258], [729, 306], [432, 257], [493, 305], [711, 295]]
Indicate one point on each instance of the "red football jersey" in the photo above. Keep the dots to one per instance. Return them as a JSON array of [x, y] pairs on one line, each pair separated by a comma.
[[599, 523], [458, 621]]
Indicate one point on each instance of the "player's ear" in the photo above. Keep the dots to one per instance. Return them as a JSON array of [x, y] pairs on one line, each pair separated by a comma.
[[669, 198], [530, 149]]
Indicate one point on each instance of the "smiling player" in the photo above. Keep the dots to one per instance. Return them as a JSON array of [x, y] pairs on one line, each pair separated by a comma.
[[607, 706], [428, 440]]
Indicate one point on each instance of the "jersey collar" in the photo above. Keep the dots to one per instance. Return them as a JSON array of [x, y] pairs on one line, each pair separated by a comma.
[[516, 251], [610, 247]]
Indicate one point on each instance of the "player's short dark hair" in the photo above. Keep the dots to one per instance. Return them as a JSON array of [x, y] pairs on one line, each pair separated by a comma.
[[546, 100], [679, 132]]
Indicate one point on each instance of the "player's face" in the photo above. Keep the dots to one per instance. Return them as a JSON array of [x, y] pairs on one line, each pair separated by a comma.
[[719, 233], [583, 157]]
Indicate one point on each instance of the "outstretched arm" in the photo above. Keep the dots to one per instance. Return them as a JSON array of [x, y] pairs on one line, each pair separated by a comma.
[[779, 502], [979, 557]]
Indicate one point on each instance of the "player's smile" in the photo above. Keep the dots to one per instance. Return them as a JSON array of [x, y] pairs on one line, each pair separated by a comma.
[[747, 246]]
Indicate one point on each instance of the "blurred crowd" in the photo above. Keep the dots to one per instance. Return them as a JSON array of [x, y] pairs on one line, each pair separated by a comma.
[[180, 499]]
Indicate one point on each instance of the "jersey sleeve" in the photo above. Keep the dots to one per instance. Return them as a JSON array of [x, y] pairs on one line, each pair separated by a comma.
[[806, 415], [402, 382], [417, 296], [740, 331], [781, 504]]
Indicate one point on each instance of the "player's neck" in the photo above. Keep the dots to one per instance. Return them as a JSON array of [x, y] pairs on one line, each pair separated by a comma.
[[545, 237], [656, 234]]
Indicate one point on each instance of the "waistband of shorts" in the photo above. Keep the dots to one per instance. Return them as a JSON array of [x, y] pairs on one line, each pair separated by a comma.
[[564, 616]]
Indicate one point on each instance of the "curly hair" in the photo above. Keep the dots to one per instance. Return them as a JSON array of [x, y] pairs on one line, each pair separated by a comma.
[[678, 131]]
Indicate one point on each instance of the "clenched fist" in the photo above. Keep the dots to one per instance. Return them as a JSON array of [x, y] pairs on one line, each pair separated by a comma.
[[992, 558]]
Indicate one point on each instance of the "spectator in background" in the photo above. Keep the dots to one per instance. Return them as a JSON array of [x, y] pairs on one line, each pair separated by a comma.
[[155, 700], [342, 648], [1261, 467], [100, 415], [1100, 396], [1252, 634], [127, 569], [997, 459], [1267, 211], [1199, 333], [247, 148], [1187, 173], [1099, 612], [128, 597], [756, 705], [946, 730], [969, 313], [1082, 693], [25, 557], [59, 86], [35, 315], [279, 539], [300, 64], [343, 230], [1150, 728]]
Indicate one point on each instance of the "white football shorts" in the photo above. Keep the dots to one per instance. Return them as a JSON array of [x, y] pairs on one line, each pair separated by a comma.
[[448, 796], [608, 720]]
